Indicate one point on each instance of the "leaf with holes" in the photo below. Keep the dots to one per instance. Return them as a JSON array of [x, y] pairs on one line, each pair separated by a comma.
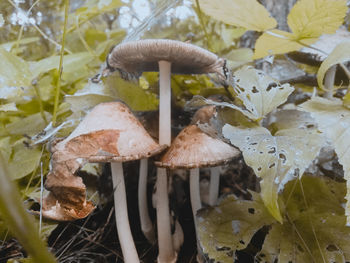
[[230, 226], [333, 120], [314, 228], [277, 158], [259, 93]]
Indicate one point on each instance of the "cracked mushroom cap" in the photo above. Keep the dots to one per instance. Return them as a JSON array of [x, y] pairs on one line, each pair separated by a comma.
[[138, 56], [110, 132], [192, 148]]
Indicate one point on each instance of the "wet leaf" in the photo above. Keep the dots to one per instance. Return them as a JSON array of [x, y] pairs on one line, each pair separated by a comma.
[[340, 54], [243, 13], [333, 120], [277, 158]]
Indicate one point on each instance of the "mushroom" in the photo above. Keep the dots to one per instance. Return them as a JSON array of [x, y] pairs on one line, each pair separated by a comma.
[[111, 133], [167, 56], [202, 117], [193, 149]]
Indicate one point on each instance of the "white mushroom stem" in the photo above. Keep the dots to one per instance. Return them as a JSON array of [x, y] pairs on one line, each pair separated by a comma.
[[164, 103], [146, 223], [121, 215], [165, 244], [214, 185], [329, 82], [194, 192]]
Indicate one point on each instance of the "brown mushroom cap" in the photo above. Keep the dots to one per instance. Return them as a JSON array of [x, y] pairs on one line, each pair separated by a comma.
[[192, 148], [204, 114], [138, 56], [110, 132]]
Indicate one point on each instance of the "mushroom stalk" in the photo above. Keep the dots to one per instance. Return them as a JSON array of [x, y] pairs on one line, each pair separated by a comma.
[[194, 192], [165, 244], [164, 102], [146, 223], [121, 215], [329, 82], [214, 185]]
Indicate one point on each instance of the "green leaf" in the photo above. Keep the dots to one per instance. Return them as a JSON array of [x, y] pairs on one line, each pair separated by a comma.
[[230, 226], [132, 94], [20, 223], [71, 65], [243, 13], [14, 74], [29, 125], [8, 46], [88, 97], [333, 120], [280, 158], [312, 18], [340, 54], [314, 231], [21, 160]]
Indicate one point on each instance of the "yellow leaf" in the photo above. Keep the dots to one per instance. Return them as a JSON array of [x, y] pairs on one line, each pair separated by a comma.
[[277, 42], [312, 18], [340, 54], [308, 20], [244, 13]]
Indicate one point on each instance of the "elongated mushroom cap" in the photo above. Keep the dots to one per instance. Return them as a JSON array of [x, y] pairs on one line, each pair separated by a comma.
[[136, 57], [192, 148], [109, 133]]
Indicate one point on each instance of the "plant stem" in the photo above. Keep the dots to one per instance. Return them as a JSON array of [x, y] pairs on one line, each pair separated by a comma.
[[166, 249], [201, 21], [60, 68], [214, 185], [121, 215], [146, 223]]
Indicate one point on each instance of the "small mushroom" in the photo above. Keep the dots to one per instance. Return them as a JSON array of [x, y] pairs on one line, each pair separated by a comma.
[[202, 117], [111, 133], [193, 149], [167, 56]]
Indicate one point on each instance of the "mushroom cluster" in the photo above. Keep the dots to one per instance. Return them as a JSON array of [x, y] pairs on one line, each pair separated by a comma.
[[111, 133]]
